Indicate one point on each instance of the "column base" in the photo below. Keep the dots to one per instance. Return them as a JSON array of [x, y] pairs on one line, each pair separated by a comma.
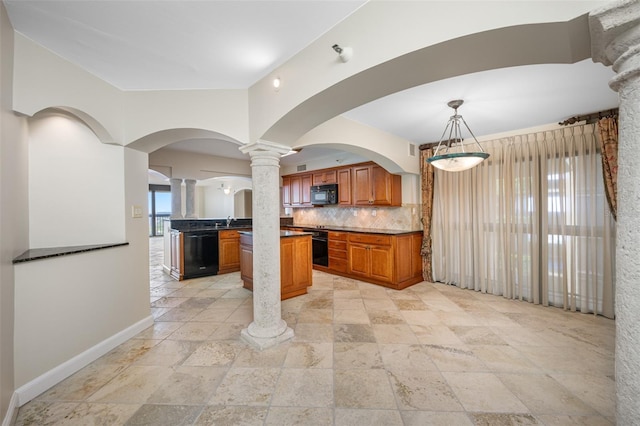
[[261, 343]]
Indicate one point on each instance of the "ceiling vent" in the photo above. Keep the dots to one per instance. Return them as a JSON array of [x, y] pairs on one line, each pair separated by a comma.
[[412, 150], [302, 167]]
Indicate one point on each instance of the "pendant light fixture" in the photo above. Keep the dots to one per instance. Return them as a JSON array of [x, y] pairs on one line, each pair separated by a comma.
[[452, 154]]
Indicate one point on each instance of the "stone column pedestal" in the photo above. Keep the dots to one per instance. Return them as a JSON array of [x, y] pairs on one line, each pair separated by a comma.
[[176, 198], [190, 198], [615, 41], [268, 328]]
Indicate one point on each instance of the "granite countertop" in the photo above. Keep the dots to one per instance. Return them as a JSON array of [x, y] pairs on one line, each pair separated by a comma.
[[355, 229], [45, 253], [283, 234]]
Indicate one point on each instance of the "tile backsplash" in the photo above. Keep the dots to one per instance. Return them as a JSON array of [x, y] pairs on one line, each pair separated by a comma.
[[406, 217]]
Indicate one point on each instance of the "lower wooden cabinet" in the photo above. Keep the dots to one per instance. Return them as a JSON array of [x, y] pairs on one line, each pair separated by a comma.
[[229, 249], [177, 255], [371, 256], [296, 264], [390, 260], [337, 246]]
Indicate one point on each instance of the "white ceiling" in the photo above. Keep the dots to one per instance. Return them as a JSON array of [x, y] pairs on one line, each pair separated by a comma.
[[164, 44]]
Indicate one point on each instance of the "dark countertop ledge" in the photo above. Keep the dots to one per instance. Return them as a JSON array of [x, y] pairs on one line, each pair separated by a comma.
[[283, 234], [354, 229], [45, 253]]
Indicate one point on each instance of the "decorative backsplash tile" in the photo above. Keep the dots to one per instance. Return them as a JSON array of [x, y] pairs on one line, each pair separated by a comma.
[[406, 217]]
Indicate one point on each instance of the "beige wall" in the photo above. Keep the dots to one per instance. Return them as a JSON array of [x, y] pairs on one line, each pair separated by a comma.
[[13, 207]]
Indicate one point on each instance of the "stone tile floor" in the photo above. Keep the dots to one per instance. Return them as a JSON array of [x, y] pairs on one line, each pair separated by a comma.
[[362, 355]]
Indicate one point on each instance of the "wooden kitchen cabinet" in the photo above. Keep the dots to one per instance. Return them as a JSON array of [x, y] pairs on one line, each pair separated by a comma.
[[374, 186], [392, 261], [371, 256], [338, 259], [409, 258], [363, 184], [300, 190], [229, 248], [177, 255], [286, 191], [325, 177], [296, 264], [344, 186]]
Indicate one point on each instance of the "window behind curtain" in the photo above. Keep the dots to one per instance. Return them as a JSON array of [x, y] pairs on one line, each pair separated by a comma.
[[530, 223]]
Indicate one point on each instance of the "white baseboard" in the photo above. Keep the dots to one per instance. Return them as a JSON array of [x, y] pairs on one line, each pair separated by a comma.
[[57, 374], [12, 411]]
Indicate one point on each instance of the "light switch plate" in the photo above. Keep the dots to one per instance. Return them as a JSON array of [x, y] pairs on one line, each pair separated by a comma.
[[136, 212]]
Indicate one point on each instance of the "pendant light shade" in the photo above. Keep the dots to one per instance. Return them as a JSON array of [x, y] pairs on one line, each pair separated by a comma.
[[452, 154]]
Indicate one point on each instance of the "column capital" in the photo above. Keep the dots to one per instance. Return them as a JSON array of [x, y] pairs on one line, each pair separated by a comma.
[[262, 146], [615, 39]]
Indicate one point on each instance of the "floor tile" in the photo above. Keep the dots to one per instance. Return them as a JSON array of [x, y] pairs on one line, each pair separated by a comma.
[[483, 392], [423, 390], [304, 388], [351, 417], [246, 386], [164, 415], [232, 415], [279, 416], [363, 389]]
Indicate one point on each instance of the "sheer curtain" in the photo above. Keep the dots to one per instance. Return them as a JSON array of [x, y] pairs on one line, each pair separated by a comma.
[[530, 223]]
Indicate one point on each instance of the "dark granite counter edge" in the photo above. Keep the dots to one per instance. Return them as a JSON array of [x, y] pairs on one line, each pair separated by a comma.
[[283, 234], [45, 253], [357, 230]]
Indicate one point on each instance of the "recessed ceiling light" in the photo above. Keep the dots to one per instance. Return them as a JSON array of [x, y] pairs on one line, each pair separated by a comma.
[[276, 83]]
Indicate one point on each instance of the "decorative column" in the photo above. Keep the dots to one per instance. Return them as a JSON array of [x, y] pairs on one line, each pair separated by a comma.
[[191, 198], [176, 198], [615, 40], [268, 328]]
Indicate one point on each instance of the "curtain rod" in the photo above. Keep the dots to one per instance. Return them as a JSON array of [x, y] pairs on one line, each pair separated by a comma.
[[590, 118]]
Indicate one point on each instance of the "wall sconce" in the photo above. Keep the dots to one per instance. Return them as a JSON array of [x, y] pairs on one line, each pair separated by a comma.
[[225, 189], [345, 53]]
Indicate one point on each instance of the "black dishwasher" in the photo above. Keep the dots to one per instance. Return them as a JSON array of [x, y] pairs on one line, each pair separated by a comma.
[[200, 253]]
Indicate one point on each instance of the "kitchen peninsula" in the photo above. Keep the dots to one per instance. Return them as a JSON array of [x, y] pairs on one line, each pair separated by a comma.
[[295, 262]]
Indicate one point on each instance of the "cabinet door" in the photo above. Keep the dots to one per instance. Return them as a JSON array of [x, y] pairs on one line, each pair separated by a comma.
[[344, 187], [229, 243], [177, 255], [306, 189], [286, 191], [380, 181], [362, 185], [381, 258], [326, 177], [359, 260], [296, 190]]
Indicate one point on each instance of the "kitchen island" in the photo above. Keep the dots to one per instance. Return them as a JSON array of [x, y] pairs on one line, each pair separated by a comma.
[[295, 262]]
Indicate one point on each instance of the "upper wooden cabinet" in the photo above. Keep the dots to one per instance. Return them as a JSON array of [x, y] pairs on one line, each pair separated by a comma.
[[296, 190], [365, 184], [373, 185], [344, 186], [324, 177]]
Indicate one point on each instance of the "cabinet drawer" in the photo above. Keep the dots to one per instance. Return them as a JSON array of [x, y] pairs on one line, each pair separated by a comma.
[[382, 240], [229, 233], [338, 254], [341, 236], [339, 265], [338, 245]]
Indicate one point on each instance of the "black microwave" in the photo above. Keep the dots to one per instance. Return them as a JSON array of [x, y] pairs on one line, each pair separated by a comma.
[[324, 194]]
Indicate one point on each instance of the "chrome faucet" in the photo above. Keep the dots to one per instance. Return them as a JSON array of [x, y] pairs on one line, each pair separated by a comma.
[[229, 219]]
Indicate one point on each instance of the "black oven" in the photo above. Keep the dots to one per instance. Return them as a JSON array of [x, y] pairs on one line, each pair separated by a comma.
[[319, 247]]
